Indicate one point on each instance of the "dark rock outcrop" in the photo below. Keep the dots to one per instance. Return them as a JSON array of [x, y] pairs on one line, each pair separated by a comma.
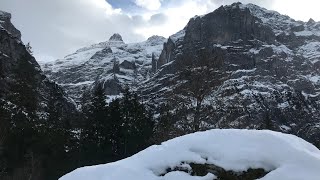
[[5, 22], [166, 54], [204, 169], [228, 24], [101, 54], [128, 65]]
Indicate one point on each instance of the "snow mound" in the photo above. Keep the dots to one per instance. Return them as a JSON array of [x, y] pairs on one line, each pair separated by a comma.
[[287, 157]]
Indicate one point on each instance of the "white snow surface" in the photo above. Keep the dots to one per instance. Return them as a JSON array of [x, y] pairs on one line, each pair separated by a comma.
[[287, 157]]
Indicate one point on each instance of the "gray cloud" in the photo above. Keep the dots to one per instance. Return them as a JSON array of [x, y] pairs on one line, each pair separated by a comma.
[[158, 19]]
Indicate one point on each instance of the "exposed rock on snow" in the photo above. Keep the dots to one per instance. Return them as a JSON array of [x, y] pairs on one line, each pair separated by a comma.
[[280, 156]]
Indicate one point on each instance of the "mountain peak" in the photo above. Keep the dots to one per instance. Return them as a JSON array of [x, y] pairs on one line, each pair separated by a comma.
[[116, 37], [156, 39], [235, 4], [5, 14], [311, 21], [5, 22]]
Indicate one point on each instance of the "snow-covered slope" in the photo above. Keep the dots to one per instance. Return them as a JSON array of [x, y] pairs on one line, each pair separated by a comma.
[[114, 63], [285, 157]]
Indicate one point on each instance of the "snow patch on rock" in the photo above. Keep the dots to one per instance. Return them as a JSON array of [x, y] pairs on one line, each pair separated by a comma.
[[178, 36]]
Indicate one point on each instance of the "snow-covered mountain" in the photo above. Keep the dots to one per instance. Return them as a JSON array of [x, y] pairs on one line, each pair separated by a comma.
[[113, 63], [215, 154], [241, 66]]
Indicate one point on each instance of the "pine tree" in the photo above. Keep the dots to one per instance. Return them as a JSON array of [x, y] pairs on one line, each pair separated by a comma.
[[95, 138], [116, 131], [268, 121], [22, 115], [137, 127], [4, 123], [97, 113], [4, 133], [116, 123], [54, 116], [25, 95], [201, 74], [165, 125]]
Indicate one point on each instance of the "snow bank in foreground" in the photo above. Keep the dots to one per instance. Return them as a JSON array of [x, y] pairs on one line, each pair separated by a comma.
[[286, 156]]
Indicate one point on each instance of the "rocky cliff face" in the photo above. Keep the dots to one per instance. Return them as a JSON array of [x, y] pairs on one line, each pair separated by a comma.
[[113, 63], [241, 66], [21, 78]]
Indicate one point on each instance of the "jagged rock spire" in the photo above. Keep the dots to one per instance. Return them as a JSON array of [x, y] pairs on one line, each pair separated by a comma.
[[116, 37], [311, 21]]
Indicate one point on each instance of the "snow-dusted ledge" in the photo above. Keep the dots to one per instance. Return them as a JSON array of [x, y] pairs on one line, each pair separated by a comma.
[[287, 157]]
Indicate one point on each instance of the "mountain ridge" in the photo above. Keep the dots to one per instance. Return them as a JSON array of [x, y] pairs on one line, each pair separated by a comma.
[[122, 64]]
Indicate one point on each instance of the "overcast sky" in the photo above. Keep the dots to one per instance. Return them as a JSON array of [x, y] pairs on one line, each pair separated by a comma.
[[56, 28]]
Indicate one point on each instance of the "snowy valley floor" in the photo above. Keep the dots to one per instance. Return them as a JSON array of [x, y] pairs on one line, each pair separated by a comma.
[[272, 155]]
